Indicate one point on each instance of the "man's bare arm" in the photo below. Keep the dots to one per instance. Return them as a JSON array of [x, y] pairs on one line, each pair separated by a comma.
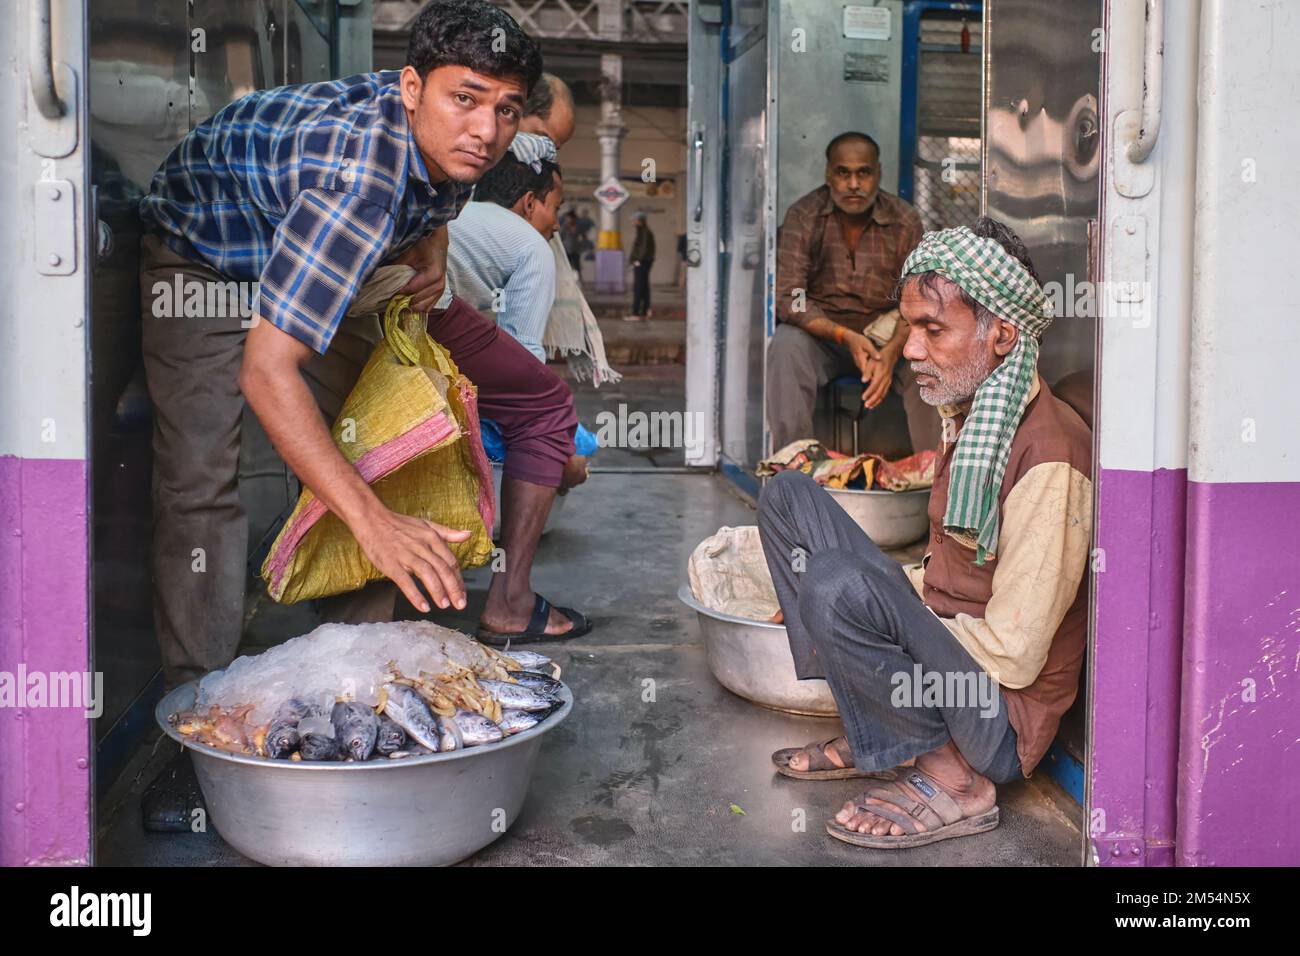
[[861, 348], [402, 547], [428, 257]]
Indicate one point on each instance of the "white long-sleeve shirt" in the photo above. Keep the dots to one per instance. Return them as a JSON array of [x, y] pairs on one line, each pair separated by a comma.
[[498, 263]]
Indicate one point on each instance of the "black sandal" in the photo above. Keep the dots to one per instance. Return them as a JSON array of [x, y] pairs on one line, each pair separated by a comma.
[[536, 630]]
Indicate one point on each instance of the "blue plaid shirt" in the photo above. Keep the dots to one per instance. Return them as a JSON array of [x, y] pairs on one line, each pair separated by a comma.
[[304, 189]]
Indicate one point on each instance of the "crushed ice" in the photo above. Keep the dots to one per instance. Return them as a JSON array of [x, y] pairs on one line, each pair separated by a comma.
[[337, 660]]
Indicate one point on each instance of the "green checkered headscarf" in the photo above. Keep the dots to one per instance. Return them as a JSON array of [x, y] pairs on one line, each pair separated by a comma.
[[998, 281]]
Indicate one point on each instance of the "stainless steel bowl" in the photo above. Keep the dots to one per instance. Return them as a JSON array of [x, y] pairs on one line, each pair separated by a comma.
[[752, 659], [417, 811], [557, 506], [890, 518]]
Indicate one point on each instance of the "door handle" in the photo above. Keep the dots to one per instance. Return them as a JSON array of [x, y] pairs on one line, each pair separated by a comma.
[[40, 63], [697, 175]]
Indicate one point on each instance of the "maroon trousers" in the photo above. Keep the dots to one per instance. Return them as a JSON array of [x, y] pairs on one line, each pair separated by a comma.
[[533, 406]]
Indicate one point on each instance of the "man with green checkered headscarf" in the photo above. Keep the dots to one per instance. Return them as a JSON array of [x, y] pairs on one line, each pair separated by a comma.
[[955, 672]]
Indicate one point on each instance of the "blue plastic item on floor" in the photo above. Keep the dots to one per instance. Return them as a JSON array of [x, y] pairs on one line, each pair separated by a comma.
[[584, 442]]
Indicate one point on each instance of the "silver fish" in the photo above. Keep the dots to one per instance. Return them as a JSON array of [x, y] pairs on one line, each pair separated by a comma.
[[320, 747], [283, 736], [449, 735], [538, 682], [390, 738], [410, 750], [355, 728], [475, 729], [282, 739], [515, 721], [529, 660], [516, 696], [295, 709], [409, 711]]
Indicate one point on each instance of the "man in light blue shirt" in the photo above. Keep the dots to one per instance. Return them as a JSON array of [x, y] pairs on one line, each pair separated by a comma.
[[499, 259]]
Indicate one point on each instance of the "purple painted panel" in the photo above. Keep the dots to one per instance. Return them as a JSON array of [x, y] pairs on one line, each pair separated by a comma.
[[1138, 629], [1239, 759], [44, 751]]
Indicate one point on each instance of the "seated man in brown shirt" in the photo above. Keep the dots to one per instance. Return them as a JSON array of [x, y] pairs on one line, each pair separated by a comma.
[[957, 672], [839, 252]]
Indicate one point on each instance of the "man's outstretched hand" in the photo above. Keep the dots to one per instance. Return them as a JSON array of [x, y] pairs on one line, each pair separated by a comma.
[[406, 549], [429, 259]]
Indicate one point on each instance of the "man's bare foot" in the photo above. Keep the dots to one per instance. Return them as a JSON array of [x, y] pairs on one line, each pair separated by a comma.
[[832, 750], [513, 618], [973, 793], [800, 760]]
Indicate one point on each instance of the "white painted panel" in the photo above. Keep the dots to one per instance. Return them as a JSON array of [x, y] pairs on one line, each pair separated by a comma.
[[1245, 334], [42, 316], [1146, 238]]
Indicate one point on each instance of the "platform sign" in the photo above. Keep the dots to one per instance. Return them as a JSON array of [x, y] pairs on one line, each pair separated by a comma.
[[611, 194], [867, 23]]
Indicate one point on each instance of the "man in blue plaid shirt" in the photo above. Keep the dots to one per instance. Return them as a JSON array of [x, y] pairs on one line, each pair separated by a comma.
[[305, 190]]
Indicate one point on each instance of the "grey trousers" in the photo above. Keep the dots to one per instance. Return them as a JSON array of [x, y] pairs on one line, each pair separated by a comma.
[[904, 685], [200, 530], [799, 364]]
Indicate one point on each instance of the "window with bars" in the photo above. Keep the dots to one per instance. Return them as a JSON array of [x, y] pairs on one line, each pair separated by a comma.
[[945, 151]]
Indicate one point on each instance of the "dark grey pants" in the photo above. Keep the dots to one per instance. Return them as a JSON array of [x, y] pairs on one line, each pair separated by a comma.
[[200, 528], [904, 685], [799, 364], [641, 289]]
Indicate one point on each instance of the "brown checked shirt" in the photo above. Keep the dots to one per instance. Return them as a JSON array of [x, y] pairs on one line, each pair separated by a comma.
[[853, 287]]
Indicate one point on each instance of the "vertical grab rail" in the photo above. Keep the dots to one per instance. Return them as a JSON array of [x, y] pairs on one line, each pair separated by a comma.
[[40, 62], [1153, 55], [697, 175]]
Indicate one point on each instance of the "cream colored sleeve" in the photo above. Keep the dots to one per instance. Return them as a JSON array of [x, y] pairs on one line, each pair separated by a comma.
[[1042, 551], [881, 329], [916, 575]]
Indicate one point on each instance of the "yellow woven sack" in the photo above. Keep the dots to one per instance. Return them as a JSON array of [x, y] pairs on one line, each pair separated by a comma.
[[410, 427]]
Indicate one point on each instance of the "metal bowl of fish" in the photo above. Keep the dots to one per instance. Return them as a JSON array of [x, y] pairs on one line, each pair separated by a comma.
[[752, 659], [891, 519], [426, 809]]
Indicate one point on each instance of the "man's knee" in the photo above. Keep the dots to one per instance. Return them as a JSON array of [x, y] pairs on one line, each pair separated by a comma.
[[838, 585], [832, 575], [783, 492], [790, 350], [549, 402]]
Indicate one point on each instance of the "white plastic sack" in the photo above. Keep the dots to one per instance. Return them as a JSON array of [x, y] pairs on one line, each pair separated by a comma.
[[728, 573]]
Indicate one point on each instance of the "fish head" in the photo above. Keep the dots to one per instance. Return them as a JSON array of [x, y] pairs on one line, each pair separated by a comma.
[[449, 734]]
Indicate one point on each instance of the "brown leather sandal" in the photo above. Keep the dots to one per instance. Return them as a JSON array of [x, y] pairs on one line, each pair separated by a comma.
[[915, 796], [820, 766]]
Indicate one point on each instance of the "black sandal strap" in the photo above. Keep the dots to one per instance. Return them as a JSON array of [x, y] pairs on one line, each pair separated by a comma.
[[541, 616]]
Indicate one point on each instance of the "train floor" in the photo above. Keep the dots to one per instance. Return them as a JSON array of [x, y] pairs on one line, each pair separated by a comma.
[[685, 779]]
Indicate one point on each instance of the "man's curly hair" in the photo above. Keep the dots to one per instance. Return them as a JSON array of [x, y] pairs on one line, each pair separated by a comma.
[[474, 34]]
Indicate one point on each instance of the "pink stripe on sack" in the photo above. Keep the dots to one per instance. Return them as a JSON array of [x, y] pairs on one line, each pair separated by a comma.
[[372, 466], [486, 500]]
